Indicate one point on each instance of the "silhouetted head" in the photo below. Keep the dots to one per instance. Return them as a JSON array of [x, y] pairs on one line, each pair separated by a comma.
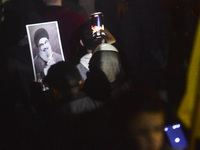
[[40, 33], [62, 75]]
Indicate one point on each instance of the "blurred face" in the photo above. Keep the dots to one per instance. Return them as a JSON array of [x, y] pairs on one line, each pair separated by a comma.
[[44, 47], [147, 130]]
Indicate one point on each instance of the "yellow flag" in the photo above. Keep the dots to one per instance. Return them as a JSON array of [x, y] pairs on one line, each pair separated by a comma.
[[186, 111]]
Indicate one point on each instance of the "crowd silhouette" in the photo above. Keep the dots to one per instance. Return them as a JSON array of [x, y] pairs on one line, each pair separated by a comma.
[[116, 92]]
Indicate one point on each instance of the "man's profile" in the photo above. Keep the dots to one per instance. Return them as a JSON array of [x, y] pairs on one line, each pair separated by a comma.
[[46, 56]]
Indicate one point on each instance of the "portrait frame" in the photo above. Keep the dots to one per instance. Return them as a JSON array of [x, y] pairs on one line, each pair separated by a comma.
[[54, 39]]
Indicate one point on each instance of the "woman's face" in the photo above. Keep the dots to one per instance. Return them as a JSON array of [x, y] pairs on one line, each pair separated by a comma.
[[147, 130]]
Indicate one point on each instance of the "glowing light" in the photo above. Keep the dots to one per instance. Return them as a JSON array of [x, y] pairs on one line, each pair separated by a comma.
[[98, 22], [176, 126], [166, 129], [177, 140], [97, 28]]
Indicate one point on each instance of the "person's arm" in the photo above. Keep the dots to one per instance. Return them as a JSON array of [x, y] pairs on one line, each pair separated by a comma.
[[109, 37]]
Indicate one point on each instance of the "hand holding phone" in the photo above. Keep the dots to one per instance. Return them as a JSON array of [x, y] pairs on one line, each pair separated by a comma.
[[176, 136], [97, 25]]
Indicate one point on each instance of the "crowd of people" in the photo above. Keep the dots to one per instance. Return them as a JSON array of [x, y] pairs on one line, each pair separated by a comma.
[[113, 92]]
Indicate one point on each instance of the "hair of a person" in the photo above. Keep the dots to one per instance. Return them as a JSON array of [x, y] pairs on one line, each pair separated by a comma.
[[40, 33], [62, 75], [86, 36]]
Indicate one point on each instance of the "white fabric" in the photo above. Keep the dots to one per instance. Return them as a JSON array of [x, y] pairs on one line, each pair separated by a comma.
[[105, 47], [85, 60]]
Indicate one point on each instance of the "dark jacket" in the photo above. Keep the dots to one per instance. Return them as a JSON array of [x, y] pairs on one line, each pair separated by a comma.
[[145, 39]]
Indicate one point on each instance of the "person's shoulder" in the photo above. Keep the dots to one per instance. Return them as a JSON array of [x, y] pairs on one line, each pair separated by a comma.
[[83, 70], [82, 104], [81, 67]]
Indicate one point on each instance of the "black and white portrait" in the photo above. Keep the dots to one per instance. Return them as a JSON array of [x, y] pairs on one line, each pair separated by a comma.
[[45, 46]]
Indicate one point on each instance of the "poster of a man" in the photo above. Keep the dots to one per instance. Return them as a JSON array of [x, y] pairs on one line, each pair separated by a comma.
[[45, 47]]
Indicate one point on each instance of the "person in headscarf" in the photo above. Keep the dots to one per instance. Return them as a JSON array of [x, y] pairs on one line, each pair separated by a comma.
[[106, 75]]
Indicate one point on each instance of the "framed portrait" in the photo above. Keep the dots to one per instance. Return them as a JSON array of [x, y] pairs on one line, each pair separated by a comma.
[[45, 47]]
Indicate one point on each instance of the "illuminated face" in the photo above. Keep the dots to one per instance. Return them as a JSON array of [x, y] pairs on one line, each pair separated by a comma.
[[147, 130], [44, 46]]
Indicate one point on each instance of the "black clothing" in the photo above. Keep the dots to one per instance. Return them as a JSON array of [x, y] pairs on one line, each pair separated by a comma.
[[65, 121], [74, 105], [145, 40]]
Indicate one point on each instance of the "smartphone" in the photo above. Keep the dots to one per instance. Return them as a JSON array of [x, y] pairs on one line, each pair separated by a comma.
[[97, 24], [176, 136]]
